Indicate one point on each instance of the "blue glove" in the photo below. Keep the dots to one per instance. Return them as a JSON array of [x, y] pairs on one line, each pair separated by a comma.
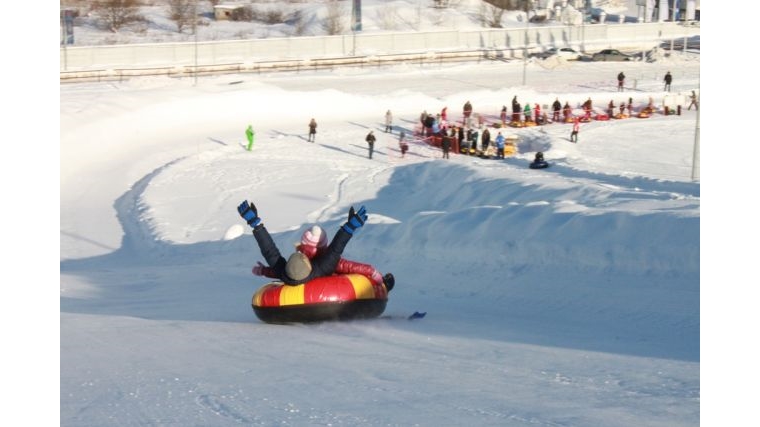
[[355, 220], [249, 213]]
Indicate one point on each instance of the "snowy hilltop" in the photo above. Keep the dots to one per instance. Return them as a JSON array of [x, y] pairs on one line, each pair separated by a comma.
[[156, 21]]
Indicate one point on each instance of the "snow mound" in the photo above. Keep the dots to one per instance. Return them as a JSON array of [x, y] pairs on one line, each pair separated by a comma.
[[234, 232]]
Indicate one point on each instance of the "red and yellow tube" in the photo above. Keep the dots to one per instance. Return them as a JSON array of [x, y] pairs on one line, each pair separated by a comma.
[[337, 297]]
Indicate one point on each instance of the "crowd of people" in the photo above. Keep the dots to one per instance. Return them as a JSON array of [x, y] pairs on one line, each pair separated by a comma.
[[470, 133]]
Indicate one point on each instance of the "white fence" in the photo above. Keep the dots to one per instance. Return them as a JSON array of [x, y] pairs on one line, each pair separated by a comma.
[[302, 52]]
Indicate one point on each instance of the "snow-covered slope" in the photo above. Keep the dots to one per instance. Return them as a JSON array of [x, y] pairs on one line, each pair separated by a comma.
[[566, 296]]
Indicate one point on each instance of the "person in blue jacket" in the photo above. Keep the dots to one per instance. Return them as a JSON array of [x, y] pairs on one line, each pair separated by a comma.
[[298, 268], [499, 146]]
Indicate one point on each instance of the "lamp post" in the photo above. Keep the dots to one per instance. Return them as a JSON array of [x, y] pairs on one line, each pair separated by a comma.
[[195, 33], [695, 154], [525, 49], [65, 42], [356, 23], [583, 30]]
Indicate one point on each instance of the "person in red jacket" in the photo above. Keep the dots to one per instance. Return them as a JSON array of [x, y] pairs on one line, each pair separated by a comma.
[[314, 243], [576, 129]]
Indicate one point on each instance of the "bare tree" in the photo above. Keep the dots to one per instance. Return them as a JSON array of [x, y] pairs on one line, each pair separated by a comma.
[[245, 13], [333, 23], [387, 17], [511, 4], [491, 14], [117, 13], [298, 22], [492, 11], [182, 12]]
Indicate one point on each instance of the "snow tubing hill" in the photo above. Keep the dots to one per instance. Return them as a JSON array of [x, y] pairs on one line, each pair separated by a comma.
[[337, 297]]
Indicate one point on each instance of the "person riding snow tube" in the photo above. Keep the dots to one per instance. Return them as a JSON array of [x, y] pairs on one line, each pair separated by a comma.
[[336, 297], [539, 162], [318, 300]]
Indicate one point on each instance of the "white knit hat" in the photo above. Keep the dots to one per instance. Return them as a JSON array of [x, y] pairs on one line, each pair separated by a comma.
[[314, 236], [298, 266]]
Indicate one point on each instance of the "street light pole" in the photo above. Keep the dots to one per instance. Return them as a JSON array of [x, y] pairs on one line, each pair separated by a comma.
[[695, 154], [525, 48], [583, 30], [195, 33], [65, 42]]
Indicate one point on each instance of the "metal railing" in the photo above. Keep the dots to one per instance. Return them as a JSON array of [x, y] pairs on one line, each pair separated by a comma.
[[306, 53]]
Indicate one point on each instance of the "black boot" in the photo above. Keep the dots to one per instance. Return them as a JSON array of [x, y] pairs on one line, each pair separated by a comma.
[[389, 281]]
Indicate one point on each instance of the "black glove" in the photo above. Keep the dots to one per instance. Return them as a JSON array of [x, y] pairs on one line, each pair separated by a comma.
[[355, 220], [249, 213]]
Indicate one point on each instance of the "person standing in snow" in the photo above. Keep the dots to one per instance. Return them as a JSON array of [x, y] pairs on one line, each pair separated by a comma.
[[485, 140], [446, 143], [312, 130], [668, 80], [388, 121], [371, 142], [250, 134], [576, 129], [567, 111], [694, 101], [500, 141], [516, 111], [298, 268], [467, 142], [428, 124], [556, 108], [473, 136], [587, 108], [467, 110], [621, 81], [460, 137], [402, 143]]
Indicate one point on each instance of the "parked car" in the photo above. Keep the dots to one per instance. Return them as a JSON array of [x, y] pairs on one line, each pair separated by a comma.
[[564, 52], [611, 55]]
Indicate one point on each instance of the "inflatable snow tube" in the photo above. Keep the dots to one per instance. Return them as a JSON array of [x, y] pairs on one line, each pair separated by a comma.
[[539, 165], [602, 117], [643, 115], [337, 297]]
